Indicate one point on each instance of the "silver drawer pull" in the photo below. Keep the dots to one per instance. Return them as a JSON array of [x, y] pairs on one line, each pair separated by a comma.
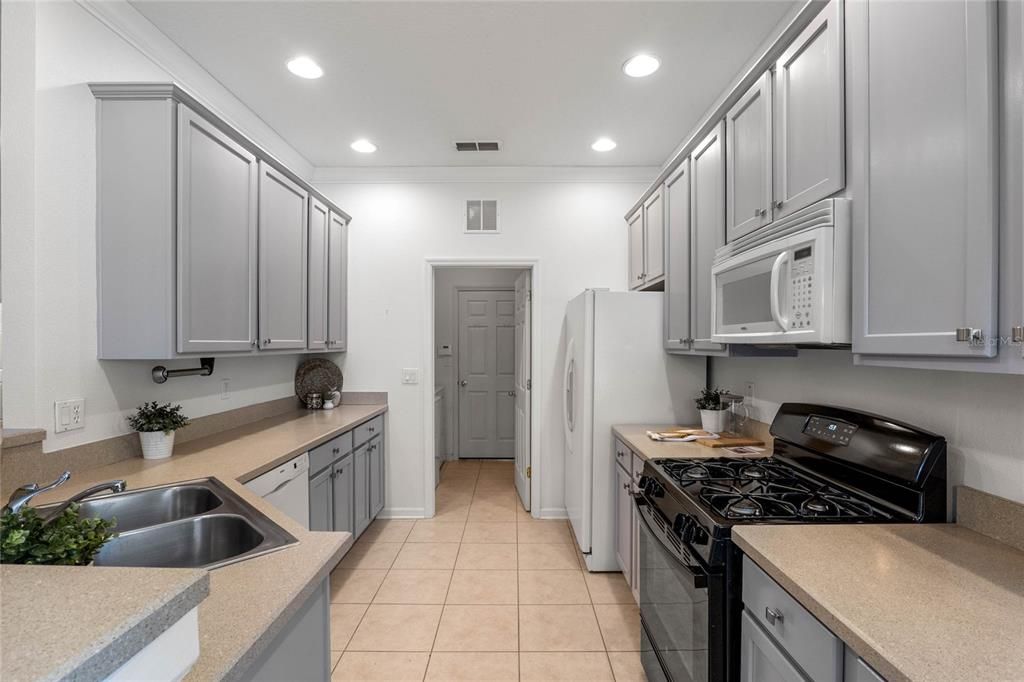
[[772, 615]]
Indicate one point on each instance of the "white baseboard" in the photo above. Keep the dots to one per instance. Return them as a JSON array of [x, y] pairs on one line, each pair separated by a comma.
[[402, 513], [554, 513]]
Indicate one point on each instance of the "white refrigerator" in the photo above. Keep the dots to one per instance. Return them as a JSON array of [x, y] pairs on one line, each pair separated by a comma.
[[615, 371]]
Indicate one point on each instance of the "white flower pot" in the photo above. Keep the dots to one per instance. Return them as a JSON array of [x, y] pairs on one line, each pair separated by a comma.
[[713, 420], [156, 444]]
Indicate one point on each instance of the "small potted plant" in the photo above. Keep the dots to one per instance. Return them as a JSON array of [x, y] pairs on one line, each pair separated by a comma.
[[156, 425], [67, 540], [712, 410]]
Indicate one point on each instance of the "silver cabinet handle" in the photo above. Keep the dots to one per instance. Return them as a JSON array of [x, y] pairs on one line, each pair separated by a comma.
[[778, 204], [968, 335], [463, 383], [512, 394], [772, 615], [1017, 334], [254, 343]]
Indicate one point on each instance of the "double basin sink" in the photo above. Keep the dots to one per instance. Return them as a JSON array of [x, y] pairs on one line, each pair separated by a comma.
[[194, 524]]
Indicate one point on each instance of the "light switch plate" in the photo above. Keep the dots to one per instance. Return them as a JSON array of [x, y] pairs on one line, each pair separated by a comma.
[[68, 415], [410, 375], [444, 350]]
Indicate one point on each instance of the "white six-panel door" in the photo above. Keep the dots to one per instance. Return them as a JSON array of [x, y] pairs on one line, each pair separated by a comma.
[[524, 299], [486, 378]]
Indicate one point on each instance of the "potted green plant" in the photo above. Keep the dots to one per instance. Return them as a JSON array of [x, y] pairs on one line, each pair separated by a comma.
[[67, 540], [156, 425], [712, 410]]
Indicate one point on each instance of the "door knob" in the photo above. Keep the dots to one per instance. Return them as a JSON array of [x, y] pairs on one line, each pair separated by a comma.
[[463, 383]]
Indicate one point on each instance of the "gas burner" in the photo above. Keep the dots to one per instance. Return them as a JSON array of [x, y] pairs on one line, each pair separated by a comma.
[[754, 471], [815, 505], [744, 507], [697, 472]]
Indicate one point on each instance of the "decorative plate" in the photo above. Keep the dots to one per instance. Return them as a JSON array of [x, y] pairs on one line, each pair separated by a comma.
[[317, 375]]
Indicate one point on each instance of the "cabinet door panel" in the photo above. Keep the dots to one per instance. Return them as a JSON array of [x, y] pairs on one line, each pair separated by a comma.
[[808, 97], [317, 297], [707, 225], [361, 489], [923, 139], [283, 224], [761, 659], [337, 279], [321, 513], [749, 165], [623, 523], [677, 258], [376, 449], [217, 198], [343, 486], [636, 249], [654, 237]]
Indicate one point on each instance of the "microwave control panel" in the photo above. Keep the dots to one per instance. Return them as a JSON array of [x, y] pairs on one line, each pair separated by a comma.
[[801, 288]]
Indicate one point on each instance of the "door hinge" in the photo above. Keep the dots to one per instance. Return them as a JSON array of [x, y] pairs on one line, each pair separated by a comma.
[[529, 384], [529, 472], [529, 295]]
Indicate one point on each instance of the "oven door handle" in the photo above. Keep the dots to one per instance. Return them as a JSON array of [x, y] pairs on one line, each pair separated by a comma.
[[700, 579]]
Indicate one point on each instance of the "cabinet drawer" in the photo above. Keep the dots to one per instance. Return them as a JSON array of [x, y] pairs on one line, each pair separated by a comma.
[[638, 468], [368, 430], [324, 455], [623, 455], [809, 643]]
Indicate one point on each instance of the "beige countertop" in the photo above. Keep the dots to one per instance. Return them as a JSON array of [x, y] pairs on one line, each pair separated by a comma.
[[93, 634], [635, 436], [250, 601], [916, 601]]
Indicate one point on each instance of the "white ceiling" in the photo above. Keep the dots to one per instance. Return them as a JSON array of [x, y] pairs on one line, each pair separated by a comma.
[[545, 78]]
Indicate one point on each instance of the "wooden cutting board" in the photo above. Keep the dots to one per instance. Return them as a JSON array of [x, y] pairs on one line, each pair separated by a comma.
[[728, 440]]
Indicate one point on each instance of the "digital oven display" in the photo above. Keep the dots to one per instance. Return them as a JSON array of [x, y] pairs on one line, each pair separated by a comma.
[[831, 430]]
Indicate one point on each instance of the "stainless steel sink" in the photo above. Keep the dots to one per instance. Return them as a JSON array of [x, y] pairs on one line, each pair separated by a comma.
[[193, 524]]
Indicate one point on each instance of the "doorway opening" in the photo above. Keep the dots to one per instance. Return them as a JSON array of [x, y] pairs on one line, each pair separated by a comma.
[[482, 360]]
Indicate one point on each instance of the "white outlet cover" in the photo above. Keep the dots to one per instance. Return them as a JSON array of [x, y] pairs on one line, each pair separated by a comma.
[[68, 415], [410, 375]]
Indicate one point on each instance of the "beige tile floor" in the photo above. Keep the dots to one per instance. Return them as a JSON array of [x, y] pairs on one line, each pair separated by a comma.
[[480, 592]]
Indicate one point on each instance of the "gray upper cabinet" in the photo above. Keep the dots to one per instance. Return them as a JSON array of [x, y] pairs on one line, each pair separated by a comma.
[[635, 225], [749, 166], [676, 194], [202, 236], [923, 127], [337, 282], [809, 121], [654, 239], [216, 256], [283, 222], [707, 231], [319, 222]]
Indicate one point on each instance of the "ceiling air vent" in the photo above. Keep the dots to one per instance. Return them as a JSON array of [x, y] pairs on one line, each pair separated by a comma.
[[482, 216], [477, 146]]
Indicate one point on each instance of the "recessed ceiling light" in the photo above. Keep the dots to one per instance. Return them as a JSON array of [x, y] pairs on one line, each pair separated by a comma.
[[603, 144], [364, 146], [641, 65], [304, 67]]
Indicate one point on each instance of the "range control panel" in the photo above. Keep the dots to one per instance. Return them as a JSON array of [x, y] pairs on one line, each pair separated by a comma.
[[801, 287], [831, 430]]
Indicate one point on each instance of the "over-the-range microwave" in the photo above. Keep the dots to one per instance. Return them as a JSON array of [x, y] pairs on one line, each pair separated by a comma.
[[788, 283]]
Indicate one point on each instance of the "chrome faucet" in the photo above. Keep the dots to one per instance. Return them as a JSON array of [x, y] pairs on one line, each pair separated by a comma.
[[116, 486], [20, 497]]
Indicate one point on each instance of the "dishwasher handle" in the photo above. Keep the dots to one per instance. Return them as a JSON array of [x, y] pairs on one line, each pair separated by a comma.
[[272, 481]]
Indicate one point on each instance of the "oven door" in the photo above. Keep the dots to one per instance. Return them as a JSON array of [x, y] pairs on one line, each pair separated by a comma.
[[673, 604]]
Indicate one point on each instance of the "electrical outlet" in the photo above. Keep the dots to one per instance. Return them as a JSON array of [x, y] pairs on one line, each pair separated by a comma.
[[410, 375], [68, 415], [225, 389], [748, 391]]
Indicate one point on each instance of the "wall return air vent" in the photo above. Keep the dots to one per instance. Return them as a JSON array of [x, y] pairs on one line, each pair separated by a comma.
[[478, 146], [482, 216]]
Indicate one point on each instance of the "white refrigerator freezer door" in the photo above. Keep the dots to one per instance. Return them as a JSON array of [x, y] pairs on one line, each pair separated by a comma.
[[579, 340]]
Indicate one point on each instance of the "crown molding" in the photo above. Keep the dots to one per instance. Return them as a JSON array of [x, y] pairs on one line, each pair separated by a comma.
[[125, 21], [482, 174]]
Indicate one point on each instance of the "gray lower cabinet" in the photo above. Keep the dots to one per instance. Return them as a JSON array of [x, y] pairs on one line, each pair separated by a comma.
[[301, 651], [761, 658], [343, 495], [376, 454], [624, 523], [361, 495], [283, 223], [925, 218], [316, 315], [856, 670], [321, 509]]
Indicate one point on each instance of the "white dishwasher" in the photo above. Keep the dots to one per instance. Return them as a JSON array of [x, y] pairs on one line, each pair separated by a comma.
[[287, 488]]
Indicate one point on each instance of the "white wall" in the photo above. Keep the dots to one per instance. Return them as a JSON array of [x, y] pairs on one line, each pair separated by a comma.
[[574, 230], [447, 281], [980, 415], [49, 266]]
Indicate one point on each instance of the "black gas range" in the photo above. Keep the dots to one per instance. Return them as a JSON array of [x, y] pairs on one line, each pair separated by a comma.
[[828, 465]]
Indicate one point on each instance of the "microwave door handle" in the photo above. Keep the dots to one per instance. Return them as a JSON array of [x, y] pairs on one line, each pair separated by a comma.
[[775, 292]]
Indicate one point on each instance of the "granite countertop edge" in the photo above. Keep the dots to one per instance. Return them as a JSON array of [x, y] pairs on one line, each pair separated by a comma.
[[135, 635]]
